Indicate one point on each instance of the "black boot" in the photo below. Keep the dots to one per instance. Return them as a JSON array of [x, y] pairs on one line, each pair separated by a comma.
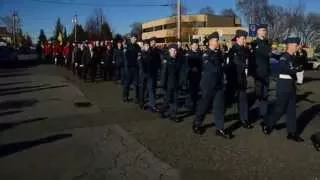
[[294, 137], [266, 129], [197, 130], [246, 125], [223, 133]]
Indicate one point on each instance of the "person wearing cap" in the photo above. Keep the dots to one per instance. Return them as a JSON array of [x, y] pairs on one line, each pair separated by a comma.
[[131, 53], [212, 86], [170, 83], [239, 60], [286, 92], [193, 59], [118, 59], [262, 54]]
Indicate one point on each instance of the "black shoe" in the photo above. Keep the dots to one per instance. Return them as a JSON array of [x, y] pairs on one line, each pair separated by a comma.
[[175, 119], [223, 133], [294, 137], [153, 109], [197, 130], [266, 129], [125, 100], [247, 125]]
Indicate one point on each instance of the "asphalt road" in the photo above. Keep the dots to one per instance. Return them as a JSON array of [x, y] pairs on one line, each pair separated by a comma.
[[54, 126]]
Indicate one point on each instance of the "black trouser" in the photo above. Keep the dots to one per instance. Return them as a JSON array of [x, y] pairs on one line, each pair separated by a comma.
[[93, 71], [194, 83], [285, 104], [261, 88], [131, 77], [214, 97], [242, 104], [108, 72], [170, 104]]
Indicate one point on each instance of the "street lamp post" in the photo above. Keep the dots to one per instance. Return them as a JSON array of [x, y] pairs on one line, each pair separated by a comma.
[[74, 22]]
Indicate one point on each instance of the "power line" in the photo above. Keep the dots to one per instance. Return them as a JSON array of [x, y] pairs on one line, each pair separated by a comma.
[[106, 5]]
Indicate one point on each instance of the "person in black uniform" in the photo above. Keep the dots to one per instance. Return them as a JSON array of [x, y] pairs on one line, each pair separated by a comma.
[[193, 60], [170, 82], [262, 52], [131, 52], [301, 61], [156, 54], [239, 59], [212, 85], [108, 63], [89, 60], [118, 58], [286, 92]]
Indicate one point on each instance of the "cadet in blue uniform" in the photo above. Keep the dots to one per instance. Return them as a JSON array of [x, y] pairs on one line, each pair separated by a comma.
[[193, 60], [286, 92], [239, 58], [171, 83], [148, 73], [262, 52], [131, 53], [212, 88]]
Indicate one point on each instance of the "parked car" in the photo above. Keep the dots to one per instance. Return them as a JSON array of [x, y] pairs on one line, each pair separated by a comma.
[[8, 54]]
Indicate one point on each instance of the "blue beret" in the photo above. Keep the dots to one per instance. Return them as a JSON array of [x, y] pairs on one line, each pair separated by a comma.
[[265, 26], [240, 33], [293, 40], [214, 35], [174, 46]]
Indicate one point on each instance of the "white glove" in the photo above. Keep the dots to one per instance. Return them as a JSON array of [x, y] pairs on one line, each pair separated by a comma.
[[102, 62], [81, 65], [76, 64]]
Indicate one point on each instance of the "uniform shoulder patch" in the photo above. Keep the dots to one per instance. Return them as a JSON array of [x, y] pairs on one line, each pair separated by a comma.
[[283, 59]]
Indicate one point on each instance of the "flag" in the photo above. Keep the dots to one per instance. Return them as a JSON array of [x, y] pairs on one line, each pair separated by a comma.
[[60, 38]]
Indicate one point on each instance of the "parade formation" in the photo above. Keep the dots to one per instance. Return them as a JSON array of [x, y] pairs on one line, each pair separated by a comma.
[[209, 77]]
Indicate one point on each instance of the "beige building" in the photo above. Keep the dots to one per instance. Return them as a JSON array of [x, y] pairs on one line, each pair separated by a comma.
[[192, 26]]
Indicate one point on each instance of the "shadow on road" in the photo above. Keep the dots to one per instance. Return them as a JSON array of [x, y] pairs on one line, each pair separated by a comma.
[[15, 83], [9, 113], [310, 79], [16, 104], [14, 75], [6, 126], [32, 90], [23, 88], [12, 148]]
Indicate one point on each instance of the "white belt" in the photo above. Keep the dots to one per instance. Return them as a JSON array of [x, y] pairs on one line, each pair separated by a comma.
[[284, 76]]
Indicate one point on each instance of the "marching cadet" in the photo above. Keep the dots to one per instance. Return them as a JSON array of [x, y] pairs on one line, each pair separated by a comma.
[[131, 52], [67, 50], [262, 52], [212, 85], [118, 58], [239, 59], [156, 55], [286, 92], [193, 61], [170, 82]]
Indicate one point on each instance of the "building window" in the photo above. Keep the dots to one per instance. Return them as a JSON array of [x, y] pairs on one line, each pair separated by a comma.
[[170, 26], [158, 28], [194, 24], [148, 29]]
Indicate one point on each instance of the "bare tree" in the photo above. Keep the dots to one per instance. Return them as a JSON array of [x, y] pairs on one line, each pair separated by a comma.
[[136, 28], [227, 12], [174, 6], [253, 11], [97, 25], [309, 29], [207, 10]]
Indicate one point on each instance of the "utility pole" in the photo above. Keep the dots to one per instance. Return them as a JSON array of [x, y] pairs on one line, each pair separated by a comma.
[[74, 21], [14, 28], [179, 19]]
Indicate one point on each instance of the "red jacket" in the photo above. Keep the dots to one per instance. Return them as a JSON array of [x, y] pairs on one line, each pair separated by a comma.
[[66, 50]]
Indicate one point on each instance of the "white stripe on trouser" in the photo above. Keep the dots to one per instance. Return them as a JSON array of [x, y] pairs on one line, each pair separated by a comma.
[[284, 76], [300, 77]]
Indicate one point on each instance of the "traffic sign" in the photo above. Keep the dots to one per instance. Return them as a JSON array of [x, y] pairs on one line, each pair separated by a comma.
[[252, 30]]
